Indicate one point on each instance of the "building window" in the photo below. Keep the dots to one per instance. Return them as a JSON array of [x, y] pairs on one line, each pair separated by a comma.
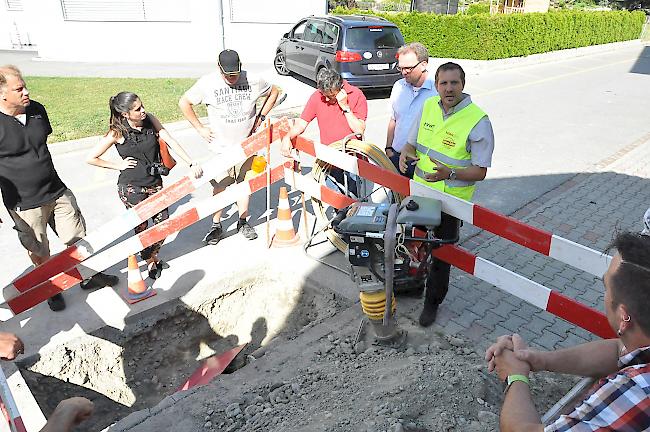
[[14, 5], [125, 10]]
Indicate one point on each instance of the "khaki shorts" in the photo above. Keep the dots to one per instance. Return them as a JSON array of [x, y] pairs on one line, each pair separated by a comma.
[[66, 218], [235, 174]]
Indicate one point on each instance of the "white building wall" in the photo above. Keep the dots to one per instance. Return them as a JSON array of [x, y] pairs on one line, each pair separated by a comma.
[[14, 29], [252, 27]]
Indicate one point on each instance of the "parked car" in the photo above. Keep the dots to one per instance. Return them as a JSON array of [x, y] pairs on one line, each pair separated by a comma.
[[361, 48]]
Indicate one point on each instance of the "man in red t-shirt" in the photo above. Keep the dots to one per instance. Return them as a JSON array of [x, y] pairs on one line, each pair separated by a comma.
[[340, 109]]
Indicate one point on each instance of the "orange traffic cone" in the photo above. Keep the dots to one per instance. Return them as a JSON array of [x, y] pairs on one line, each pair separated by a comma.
[[137, 290], [285, 235]]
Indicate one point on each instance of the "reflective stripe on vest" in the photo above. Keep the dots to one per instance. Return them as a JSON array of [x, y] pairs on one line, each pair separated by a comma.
[[448, 182], [442, 158], [446, 142]]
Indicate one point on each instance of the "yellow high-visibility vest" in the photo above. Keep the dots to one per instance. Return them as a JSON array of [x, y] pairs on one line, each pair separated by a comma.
[[446, 141]]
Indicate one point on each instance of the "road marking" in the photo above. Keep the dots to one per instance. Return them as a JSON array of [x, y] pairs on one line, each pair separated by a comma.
[[552, 78]]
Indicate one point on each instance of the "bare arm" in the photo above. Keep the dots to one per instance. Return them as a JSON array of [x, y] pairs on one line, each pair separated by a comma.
[[299, 126], [10, 346], [178, 149], [187, 108], [105, 142], [518, 413], [69, 413], [595, 359], [356, 125], [268, 105], [390, 135]]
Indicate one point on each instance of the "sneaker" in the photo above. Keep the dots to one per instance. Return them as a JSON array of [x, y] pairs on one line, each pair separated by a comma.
[[100, 280], [246, 230], [213, 236], [56, 302], [156, 269], [428, 315]]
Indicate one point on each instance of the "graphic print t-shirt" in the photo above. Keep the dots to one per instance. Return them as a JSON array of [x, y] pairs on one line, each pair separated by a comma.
[[231, 110]]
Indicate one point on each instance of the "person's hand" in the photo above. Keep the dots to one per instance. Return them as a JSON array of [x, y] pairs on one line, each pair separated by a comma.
[[404, 159], [10, 346], [389, 152], [501, 357], [196, 170], [127, 163], [535, 359], [441, 172], [503, 343], [342, 99], [286, 147], [206, 133], [77, 409]]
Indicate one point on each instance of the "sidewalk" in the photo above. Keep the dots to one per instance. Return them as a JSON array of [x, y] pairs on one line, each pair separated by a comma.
[[588, 209]]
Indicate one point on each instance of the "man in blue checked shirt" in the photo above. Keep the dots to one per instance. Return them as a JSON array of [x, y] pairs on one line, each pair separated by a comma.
[[406, 99], [620, 400]]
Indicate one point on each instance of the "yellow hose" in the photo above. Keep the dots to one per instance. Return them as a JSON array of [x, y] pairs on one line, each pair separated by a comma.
[[366, 150]]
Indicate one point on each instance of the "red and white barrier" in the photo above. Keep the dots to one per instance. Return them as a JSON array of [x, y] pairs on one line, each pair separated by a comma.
[[103, 236], [8, 405], [532, 292], [536, 239], [133, 245]]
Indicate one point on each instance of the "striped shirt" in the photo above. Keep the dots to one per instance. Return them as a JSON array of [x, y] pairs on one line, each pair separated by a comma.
[[619, 402]]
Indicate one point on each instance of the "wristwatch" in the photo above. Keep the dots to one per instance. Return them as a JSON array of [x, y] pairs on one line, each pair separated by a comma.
[[514, 378], [262, 117], [452, 174]]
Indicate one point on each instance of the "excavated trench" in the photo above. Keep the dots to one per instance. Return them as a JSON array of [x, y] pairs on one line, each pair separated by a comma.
[[134, 369]]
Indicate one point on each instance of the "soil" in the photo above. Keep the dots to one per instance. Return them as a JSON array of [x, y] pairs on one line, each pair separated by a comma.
[[303, 369]]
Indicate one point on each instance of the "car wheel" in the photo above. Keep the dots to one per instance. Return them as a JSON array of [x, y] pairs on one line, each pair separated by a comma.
[[320, 71], [280, 64]]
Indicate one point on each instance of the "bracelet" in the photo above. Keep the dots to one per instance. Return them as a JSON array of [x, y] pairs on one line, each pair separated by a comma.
[[389, 148], [514, 378]]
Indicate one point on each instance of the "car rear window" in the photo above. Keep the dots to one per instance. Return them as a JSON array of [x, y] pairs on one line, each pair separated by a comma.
[[373, 37]]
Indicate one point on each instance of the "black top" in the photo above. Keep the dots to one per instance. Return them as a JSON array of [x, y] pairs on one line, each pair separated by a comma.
[[143, 147], [27, 176]]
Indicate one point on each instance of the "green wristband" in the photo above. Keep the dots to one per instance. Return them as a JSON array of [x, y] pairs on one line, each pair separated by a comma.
[[514, 378]]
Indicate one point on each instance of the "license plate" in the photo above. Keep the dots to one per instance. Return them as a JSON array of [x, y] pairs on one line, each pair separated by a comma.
[[378, 66]]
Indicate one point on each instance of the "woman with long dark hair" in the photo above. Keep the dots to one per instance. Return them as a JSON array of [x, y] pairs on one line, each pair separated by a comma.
[[135, 133]]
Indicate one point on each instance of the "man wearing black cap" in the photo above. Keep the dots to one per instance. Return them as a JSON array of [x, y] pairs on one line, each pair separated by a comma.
[[230, 96]]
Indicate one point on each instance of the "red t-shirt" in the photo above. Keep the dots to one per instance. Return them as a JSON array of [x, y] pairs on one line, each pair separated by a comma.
[[331, 119]]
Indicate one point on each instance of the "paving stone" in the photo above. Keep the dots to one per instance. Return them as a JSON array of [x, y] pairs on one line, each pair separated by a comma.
[[514, 323], [548, 340], [504, 310]]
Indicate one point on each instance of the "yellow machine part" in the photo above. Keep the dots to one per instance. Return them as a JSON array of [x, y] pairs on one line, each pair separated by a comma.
[[373, 304]]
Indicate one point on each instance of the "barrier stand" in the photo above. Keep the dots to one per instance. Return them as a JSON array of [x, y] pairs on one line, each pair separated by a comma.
[[532, 292], [107, 233], [133, 245], [544, 242], [8, 406]]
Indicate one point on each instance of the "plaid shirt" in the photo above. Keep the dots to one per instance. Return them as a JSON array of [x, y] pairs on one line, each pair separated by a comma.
[[619, 402]]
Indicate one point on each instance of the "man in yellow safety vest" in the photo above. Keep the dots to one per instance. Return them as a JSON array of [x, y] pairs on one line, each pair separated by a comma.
[[452, 142]]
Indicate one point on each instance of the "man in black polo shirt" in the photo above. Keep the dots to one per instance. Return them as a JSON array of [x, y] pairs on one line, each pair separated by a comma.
[[31, 189]]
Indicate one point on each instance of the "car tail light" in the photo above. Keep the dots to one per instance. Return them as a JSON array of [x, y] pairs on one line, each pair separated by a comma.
[[347, 56]]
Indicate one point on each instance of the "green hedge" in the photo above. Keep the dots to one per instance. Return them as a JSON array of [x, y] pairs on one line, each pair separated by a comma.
[[478, 8], [487, 37]]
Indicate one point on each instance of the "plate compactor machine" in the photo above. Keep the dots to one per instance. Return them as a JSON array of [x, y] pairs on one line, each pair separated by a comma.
[[389, 251]]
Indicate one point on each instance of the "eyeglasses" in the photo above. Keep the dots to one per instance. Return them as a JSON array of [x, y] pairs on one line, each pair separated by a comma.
[[408, 69]]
